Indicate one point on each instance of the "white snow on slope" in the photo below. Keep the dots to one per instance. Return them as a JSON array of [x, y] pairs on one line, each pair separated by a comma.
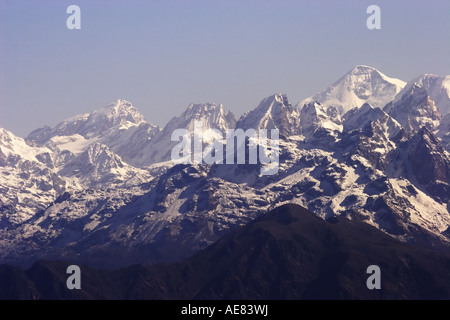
[[361, 85], [437, 87]]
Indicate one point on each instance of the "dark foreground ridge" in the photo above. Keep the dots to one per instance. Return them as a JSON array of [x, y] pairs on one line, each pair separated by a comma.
[[288, 253]]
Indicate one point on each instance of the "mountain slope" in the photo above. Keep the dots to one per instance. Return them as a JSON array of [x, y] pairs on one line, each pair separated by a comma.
[[274, 112], [94, 124], [315, 117], [210, 115], [443, 131], [119, 126], [361, 85], [94, 189], [287, 253], [363, 172], [415, 110], [27, 181], [99, 166], [437, 87], [425, 163]]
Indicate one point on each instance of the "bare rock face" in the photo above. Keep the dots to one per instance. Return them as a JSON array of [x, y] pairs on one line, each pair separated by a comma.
[[415, 110], [430, 164], [443, 131]]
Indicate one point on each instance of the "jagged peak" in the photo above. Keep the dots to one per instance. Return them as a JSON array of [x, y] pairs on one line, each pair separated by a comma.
[[364, 109], [418, 95], [312, 108], [417, 87], [420, 84], [210, 114], [363, 69], [120, 110], [437, 87], [273, 112], [204, 108], [280, 98], [425, 137], [314, 104], [210, 110], [275, 103]]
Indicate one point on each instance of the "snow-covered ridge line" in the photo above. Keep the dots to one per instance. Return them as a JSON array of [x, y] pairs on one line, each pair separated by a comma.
[[360, 85], [103, 182]]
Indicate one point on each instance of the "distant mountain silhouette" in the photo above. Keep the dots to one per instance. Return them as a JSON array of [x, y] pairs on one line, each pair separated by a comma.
[[288, 253]]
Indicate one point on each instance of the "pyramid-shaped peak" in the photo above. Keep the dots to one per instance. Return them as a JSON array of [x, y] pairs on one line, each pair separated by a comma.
[[360, 85], [416, 94], [437, 87], [358, 117], [273, 112], [118, 111], [122, 102], [363, 69], [212, 115], [367, 106], [277, 97], [363, 73], [415, 109], [275, 103], [118, 105], [425, 138]]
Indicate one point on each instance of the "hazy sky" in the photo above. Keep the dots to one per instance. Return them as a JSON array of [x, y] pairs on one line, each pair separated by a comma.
[[163, 55]]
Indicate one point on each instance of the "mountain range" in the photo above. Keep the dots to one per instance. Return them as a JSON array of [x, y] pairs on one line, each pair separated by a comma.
[[100, 188], [287, 253]]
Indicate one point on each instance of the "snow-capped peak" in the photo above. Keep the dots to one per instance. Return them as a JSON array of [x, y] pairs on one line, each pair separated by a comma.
[[273, 112], [437, 87], [415, 109], [315, 116], [274, 104], [366, 71], [117, 112], [119, 126], [359, 118], [360, 85], [211, 115], [362, 69], [11, 144]]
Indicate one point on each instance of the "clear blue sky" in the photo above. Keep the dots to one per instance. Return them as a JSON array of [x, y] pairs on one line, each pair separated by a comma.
[[163, 55]]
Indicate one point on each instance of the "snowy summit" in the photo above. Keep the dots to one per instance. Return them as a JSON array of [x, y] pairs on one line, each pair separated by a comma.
[[361, 85]]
